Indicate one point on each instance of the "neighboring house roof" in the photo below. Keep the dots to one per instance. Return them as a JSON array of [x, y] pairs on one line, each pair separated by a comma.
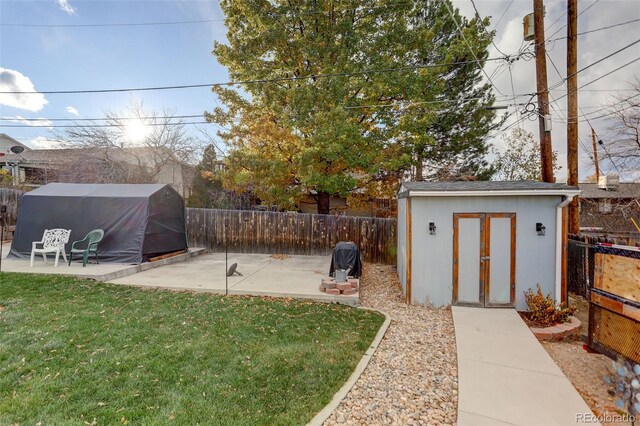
[[625, 190], [7, 142], [56, 156], [39, 156], [618, 221], [524, 187]]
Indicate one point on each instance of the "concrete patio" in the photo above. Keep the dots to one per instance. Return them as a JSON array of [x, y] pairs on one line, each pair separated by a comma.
[[262, 275], [505, 376], [98, 272], [197, 270]]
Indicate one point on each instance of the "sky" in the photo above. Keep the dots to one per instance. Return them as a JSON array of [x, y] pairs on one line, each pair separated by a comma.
[[57, 45]]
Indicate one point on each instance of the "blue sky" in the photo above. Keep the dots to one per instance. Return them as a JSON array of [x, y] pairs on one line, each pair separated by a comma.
[[71, 58], [104, 57]]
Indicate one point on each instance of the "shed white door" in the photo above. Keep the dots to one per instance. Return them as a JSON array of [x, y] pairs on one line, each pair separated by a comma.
[[484, 259]]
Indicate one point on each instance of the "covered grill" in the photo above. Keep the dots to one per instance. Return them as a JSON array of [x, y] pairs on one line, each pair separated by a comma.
[[346, 256]]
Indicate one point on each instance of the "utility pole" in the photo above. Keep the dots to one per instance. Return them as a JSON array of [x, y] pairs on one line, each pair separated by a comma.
[[595, 154], [543, 92], [572, 111]]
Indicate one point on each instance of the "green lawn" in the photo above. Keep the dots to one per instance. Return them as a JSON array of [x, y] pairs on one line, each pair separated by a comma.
[[81, 352]]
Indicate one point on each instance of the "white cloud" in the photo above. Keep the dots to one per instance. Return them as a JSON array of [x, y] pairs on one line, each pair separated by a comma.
[[72, 110], [66, 7], [14, 81], [41, 142], [40, 122]]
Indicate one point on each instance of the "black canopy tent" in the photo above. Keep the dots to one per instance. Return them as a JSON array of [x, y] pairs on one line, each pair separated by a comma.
[[139, 221]]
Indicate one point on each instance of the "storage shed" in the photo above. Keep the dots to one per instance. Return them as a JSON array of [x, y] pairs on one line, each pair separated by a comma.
[[139, 221], [481, 243]]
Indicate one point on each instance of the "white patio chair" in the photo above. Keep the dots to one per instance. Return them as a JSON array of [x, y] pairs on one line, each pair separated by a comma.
[[53, 241]]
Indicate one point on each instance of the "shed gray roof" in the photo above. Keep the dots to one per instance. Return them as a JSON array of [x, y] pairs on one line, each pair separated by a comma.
[[515, 185], [625, 190]]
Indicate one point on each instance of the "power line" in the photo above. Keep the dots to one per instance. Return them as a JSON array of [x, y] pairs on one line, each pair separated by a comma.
[[63, 126], [114, 24], [480, 18], [602, 76], [503, 14], [198, 21], [176, 117], [565, 120], [453, 18], [14, 119], [557, 19], [513, 91], [258, 81], [565, 25], [584, 115], [606, 57], [600, 29], [563, 79], [598, 90], [613, 113]]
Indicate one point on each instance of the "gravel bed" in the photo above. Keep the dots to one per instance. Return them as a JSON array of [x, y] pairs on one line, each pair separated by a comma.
[[412, 378]]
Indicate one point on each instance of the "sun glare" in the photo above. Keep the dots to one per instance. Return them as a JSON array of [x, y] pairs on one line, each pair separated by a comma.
[[136, 131]]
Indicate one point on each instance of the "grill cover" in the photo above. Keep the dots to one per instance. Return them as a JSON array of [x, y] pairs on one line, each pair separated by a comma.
[[346, 255]]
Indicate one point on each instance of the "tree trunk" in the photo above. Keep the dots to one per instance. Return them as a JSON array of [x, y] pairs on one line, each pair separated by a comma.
[[323, 203], [419, 175]]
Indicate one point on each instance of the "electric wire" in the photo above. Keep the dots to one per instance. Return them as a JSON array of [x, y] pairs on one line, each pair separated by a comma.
[[196, 21], [247, 82], [599, 29], [503, 14], [453, 18], [565, 25], [583, 114]]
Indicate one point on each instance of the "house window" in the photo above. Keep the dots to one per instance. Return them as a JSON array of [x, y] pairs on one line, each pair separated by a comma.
[[604, 206]]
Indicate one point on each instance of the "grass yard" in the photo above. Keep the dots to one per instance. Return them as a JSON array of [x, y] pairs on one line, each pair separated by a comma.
[[81, 352]]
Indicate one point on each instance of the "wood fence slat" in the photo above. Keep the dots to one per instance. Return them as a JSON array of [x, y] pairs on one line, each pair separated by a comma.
[[251, 231]]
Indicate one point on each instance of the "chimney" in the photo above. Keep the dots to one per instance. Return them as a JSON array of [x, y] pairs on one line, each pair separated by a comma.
[[609, 182]]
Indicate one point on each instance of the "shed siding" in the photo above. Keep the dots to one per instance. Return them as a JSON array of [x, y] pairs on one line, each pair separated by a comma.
[[432, 273], [402, 241]]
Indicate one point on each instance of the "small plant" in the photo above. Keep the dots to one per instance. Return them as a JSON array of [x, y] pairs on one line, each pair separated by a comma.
[[624, 379], [543, 310]]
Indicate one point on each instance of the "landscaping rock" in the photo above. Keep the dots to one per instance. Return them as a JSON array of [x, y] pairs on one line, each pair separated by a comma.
[[412, 377]]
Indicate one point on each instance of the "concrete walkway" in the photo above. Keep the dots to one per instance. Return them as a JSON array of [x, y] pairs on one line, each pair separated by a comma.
[[505, 376]]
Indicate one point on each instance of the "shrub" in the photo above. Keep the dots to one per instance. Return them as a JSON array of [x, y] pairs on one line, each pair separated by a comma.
[[543, 310]]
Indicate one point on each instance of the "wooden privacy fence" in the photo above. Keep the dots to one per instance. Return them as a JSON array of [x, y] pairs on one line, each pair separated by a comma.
[[249, 231], [10, 198]]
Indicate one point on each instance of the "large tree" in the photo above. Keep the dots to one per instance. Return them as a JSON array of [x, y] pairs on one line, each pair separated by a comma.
[[521, 158], [313, 117], [206, 180], [623, 144]]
